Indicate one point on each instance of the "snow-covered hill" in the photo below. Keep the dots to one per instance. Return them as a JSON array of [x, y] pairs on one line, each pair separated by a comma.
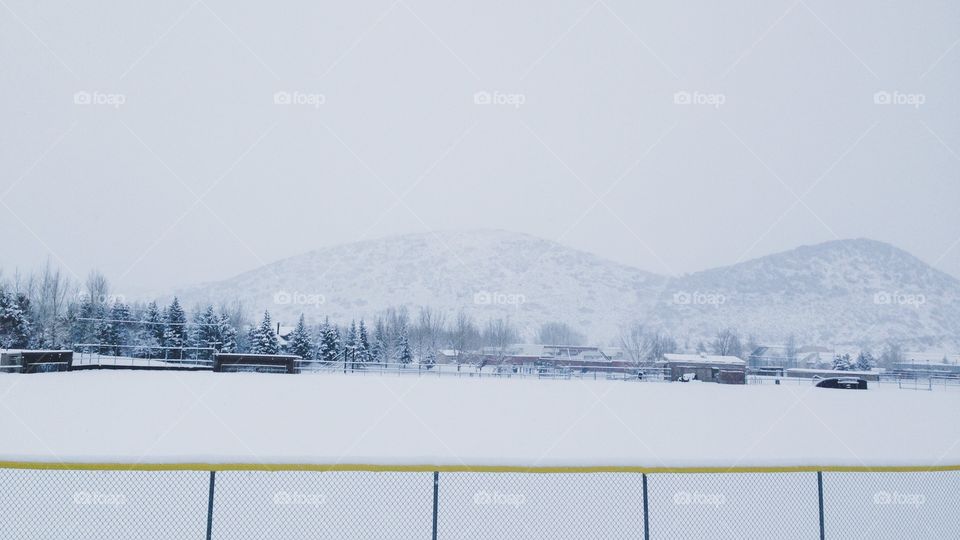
[[840, 292], [488, 273], [844, 292]]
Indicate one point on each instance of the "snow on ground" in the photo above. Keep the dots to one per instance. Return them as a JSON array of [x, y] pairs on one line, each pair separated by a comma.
[[120, 416]]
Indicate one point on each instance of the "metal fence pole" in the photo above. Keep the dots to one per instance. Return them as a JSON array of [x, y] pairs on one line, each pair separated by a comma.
[[820, 497], [646, 511], [436, 498], [213, 476]]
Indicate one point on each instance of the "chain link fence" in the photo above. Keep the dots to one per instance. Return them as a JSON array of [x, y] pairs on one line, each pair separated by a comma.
[[124, 504]]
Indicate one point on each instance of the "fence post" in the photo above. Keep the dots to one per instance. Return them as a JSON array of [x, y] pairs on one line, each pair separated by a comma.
[[436, 498], [213, 476], [646, 510], [820, 497]]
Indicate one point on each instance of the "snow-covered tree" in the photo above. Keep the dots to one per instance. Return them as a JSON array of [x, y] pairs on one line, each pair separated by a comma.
[[350, 344], [842, 362], [301, 342], [327, 347], [14, 320], [263, 338], [379, 349], [727, 343], [404, 354], [364, 354], [175, 329], [864, 361], [227, 334]]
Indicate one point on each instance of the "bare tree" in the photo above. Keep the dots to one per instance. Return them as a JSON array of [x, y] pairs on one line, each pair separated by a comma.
[[464, 337], [559, 333], [727, 343]]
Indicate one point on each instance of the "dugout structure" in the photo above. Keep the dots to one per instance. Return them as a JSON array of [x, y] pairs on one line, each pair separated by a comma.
[[260, 363], [35, 361]]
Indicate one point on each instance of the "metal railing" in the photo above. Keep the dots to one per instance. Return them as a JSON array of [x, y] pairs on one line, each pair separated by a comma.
[[505, 371], [124, 501]]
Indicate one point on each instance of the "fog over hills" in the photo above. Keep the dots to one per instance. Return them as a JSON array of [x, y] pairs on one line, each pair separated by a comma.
[[845, 292]]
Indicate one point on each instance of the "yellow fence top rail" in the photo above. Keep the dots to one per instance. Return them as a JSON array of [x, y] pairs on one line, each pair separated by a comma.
[[361, 467]]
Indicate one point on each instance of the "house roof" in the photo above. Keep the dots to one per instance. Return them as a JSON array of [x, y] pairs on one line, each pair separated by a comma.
[[704, 359]]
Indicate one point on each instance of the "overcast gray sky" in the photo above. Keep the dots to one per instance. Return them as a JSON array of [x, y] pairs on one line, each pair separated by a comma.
[[148, 138]]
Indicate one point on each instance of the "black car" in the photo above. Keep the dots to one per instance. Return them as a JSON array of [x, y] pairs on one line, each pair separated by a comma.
[[847, 383]]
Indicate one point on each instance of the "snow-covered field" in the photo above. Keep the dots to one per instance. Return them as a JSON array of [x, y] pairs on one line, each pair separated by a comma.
[[325, 418], [163, 417]]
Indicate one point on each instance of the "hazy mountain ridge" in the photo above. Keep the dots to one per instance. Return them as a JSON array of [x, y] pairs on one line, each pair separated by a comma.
[[840, 292]]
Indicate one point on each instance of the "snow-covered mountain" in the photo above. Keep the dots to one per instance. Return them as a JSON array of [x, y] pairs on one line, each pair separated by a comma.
[[840, 292], [844, 292], [488, 273]]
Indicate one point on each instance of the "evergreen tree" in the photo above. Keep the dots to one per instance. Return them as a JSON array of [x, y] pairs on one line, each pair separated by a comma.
[[227, 335], [379, 348], [263, 338], [430, 358], [842, 363], [326, 351], [404, 354], [175, 330], [350, 345], [864, 361], [120, 333], [301, 342], [14, 321], [363, 344]]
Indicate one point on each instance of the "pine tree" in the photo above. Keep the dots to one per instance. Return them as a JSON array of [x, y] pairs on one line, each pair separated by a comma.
[[430, 359], [379, 348], [263, 338], [404, 354], [301, 342], [227, 335], [864, 361], [350, 345], [120, 333], [842, 363], [363, 344], [175, 330], [324, 348], [14, 321]]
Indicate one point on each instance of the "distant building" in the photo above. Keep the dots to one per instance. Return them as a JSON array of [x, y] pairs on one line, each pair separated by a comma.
[[704, 367], [775, 357]]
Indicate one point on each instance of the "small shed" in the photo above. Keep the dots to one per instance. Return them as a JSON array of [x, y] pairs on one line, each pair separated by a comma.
[[706, 368]]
